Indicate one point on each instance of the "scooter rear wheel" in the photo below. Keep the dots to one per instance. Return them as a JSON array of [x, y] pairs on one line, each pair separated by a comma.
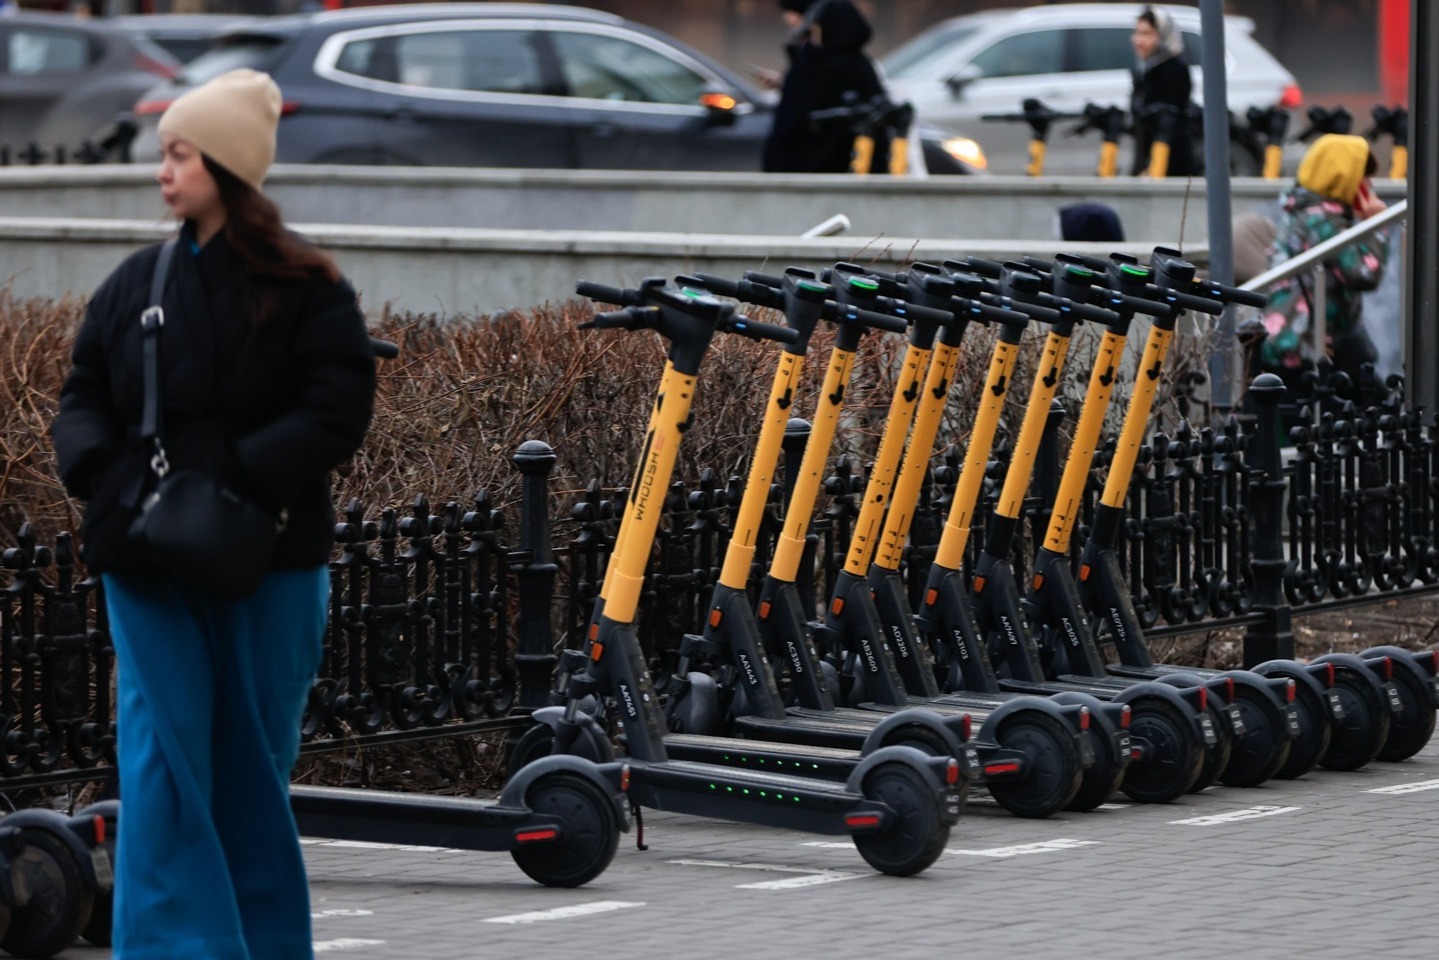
[[1216, 754], [588, 839], [1315, 734], [1054, 776], [1263, 747], [917, 837], [1175, 752], [1364, 729], [1410, 728], [60, 899]]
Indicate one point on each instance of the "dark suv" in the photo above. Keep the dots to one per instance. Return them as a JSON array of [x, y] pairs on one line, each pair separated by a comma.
[[495, 85]]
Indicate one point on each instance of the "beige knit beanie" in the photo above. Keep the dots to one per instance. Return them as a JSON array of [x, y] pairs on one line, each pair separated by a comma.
[[231, 120]]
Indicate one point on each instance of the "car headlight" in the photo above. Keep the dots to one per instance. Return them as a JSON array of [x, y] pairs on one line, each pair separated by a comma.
[[966, 150]]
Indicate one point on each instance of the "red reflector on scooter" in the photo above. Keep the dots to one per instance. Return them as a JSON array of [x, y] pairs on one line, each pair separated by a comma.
[[862, 820], [967, 728], [1203, 697], [1083, 572], [1229, 689], [594, 630], [995, 768], [625, 778], [1329, 674], [715, 618], [978, 585], [1084, 718], [99, 830], [1289, 692], [764, 609], [597, 650], [951, 772], [1388, 668], [1124, 714], [836, 606], [1037, 582], [930, 596], [535, 836]]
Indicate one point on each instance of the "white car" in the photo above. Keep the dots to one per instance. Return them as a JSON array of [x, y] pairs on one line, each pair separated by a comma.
[[1066, 55]]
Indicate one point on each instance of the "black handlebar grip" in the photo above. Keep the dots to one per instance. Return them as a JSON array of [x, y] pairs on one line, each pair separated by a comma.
[[604, 293], [612, 319], [720, 285], [879, 321], [1247, 298], [995, 314], [915, 312], [384, 348], [768, 279], [755, 330]]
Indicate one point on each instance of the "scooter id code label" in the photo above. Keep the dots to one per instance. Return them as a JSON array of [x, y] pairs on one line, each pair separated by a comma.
[[1291, 718], [1236, 720], [1206, 727], [1391, 690], [104, 876], [1336, 704]]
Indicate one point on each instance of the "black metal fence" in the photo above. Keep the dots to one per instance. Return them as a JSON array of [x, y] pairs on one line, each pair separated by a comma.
[[447, 619]]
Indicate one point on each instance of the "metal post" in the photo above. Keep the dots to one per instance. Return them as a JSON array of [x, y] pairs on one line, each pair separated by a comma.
[[1274, 637], [1421, 268], [535, 659], [1224, 357]]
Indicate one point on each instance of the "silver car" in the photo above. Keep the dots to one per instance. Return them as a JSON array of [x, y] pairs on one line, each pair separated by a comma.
[[1065, 55]]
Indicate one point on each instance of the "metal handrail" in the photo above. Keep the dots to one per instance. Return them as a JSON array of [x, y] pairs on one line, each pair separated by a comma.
[[1316, 255]]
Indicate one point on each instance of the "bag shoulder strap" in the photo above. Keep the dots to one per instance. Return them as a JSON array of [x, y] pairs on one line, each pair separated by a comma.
[[151, 320]]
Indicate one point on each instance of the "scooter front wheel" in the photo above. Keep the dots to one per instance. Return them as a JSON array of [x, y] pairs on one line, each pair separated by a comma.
[[917, 837], [588, 839], [60, 900], [539, 741]]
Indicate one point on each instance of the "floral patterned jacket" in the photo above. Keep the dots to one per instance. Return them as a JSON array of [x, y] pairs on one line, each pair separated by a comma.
[[1308, 220]]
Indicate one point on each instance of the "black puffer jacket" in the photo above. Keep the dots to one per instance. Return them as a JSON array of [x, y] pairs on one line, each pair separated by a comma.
[[1168, 82], [272, 408], [820, 76]]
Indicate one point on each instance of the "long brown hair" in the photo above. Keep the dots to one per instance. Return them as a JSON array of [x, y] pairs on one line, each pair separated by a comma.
[[271, 256]]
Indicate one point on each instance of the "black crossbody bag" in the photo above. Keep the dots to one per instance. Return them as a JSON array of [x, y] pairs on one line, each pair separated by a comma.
[[193, 527]]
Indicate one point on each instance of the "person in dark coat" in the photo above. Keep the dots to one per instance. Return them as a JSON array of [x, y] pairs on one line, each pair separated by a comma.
[[1161, 77], [267, 381], [827, 68], [1091, 223]]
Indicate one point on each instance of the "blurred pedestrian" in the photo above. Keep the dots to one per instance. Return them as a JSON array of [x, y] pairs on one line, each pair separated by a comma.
[[1161, 78], [265, 382], [1091, 223], [1331, 193], [828, 68]]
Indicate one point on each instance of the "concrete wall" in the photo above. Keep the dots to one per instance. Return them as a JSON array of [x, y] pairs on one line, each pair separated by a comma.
[[1004, 208], [466, 270]]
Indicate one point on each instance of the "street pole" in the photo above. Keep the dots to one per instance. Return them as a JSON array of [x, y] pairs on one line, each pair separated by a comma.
[[1422, 243], [1224, 355]]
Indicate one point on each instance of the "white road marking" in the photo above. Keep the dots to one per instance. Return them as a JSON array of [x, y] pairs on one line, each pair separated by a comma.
[[1114, 806], [804, 876], [828, 845], [790, 883], [342, 913], [370, 845], [1233, 816], [1408, 787], [348, 943], [1044, 846], [565, 913]]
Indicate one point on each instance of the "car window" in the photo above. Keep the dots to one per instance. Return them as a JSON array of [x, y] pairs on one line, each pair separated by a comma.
[[600, 67], [492, 61], [1039, 51], [1193, 48], [256, 53], [914, 58], [30, 52], [1103, 48]]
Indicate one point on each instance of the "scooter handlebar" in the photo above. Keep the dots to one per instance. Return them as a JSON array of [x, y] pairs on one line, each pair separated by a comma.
[[604, 293], [755, 330], [630, 318], [747, 290], [868, 318]]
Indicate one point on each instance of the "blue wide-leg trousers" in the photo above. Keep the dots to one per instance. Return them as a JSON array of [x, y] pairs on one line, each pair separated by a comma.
[[211, 693]]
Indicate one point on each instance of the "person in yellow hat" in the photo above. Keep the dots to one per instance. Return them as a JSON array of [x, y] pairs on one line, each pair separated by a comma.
[[266, 381], [1331, 193]]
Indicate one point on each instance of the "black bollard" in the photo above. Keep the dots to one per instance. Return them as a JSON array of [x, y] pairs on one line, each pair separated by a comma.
[[535, 659], [1273, 637]]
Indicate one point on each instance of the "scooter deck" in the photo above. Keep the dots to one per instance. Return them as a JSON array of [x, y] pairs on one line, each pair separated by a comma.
[[464, 823]]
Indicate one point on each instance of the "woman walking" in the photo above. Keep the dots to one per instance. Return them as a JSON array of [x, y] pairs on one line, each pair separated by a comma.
[[266, 381]]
